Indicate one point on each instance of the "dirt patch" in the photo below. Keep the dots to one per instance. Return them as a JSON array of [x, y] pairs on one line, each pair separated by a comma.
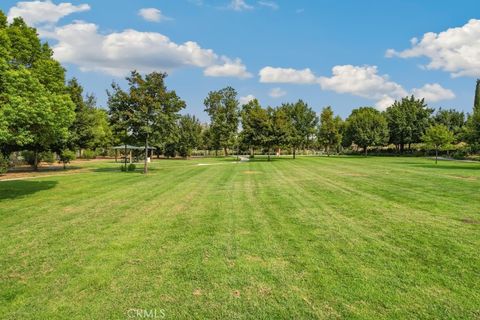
[[250, 172], [470, 221], [41, 173], [236, 293]]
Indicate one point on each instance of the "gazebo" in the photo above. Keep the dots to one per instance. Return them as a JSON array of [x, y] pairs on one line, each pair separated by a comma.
[[129, 148]]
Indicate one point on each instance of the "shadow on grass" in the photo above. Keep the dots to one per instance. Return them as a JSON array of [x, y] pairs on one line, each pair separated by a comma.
[[25, 169], [117, 169], [20, 188], [440, 165]]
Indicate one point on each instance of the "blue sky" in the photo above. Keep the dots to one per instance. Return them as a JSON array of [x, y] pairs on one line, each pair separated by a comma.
[[277, 51]]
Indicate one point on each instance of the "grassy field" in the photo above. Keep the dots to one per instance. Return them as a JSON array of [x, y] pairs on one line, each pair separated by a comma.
[[364, 238]]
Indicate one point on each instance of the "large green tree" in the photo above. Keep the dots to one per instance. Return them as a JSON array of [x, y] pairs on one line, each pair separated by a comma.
[[454, 120], [329, 131], [148, 111], [90, 128], [303, 122], [35, 110], [407, 121], [254, 125], [190, 135], [472, 130], [366, 127], [277, 129], [223, 108]]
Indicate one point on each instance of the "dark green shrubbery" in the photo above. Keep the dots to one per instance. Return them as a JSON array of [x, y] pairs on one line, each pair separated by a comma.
[[131, 167], [88, 154], [47, 156], [29, 157], [3, 164]]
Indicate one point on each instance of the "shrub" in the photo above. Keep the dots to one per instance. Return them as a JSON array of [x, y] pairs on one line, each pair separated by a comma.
[[89, 154], [122, 168], [131, 167], [29, 157], [46, 156], [3, 164], [66, 156]]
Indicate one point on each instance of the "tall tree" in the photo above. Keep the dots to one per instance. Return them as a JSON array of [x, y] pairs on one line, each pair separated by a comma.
[[277, 129], [190, 135], [254, 125], [366, 127], [303, 121], [437, 137], [35, 111], [147, 109], [329, 135], [472, 130], [90, 128], [407, 121], [223, 108], [454, 120]]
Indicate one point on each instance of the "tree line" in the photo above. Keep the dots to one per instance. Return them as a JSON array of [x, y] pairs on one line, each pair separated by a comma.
[[41, 112]]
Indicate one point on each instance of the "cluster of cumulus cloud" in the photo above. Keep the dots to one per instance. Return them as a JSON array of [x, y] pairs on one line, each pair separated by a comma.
[[456, 50]]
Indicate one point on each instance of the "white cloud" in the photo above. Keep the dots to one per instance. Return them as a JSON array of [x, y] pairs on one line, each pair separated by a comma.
[[456, 50], [362, 81], [277, 93], [270, 4], [36, 13], [287, 75], [117, 53], [230, 68], [433, 93], [385, 102], [246, 99], [152, 15], [240, 5]]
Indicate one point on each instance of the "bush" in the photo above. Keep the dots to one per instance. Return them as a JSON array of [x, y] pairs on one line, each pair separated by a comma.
[[122, 168], [131, 167], [89, 154], [29, 157], [46, 156], [3, 164], [66, 156]]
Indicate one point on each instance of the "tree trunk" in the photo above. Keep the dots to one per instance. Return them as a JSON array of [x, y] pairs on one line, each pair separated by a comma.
[[268, 154], [402, 147], [366, 150], [35, 160], [145, 165], [294, 155], [225, 151], [216, 153], [436, 156], [64, 165]]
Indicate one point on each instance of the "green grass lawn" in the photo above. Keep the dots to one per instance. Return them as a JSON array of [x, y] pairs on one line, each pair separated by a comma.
[[364, 238]]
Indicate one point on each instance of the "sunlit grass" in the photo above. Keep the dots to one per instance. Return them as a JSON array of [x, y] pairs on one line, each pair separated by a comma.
[[306, 238]]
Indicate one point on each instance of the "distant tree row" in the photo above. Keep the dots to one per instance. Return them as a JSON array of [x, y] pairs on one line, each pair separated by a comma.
[[40, 112]]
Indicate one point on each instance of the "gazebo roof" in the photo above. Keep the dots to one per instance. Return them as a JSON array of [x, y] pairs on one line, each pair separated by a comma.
[[130, 147]]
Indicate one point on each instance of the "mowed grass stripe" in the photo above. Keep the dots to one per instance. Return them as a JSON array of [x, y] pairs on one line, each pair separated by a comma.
[[305, 238]]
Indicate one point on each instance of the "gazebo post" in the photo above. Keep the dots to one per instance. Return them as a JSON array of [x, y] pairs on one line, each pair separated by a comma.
[[116, 155]]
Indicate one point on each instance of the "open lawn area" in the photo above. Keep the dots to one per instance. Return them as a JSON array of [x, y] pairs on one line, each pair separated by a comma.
[[319, 237]]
